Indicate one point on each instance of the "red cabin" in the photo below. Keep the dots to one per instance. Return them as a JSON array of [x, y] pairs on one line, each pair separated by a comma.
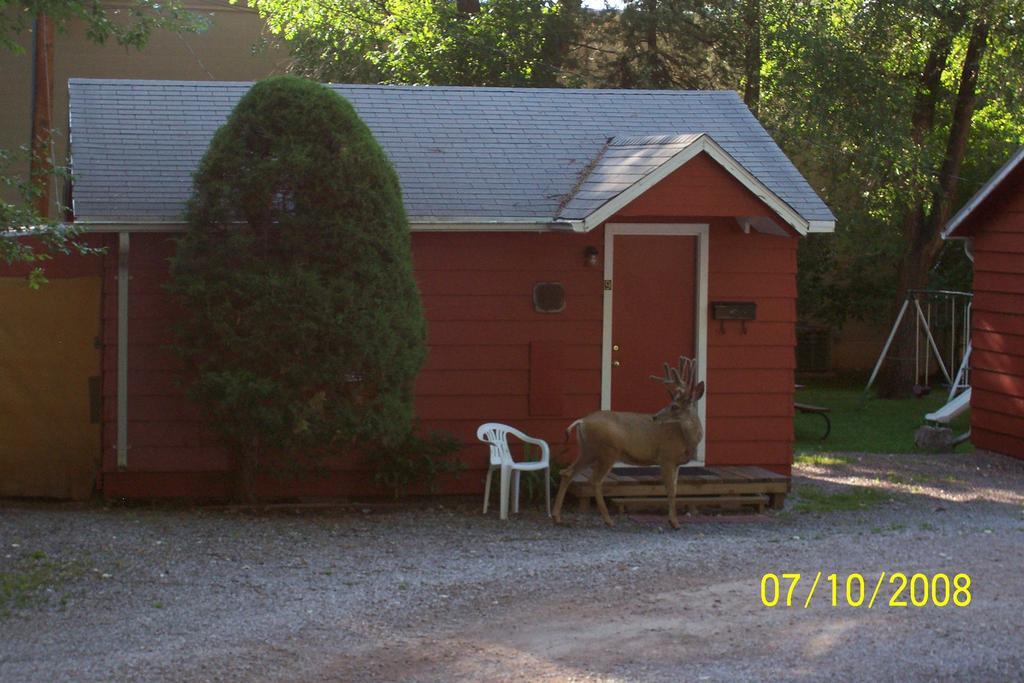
[[992, 224], [566, 243]]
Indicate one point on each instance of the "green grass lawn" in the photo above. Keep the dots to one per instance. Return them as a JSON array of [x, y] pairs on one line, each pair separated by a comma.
[[811, 499], [873, 425]]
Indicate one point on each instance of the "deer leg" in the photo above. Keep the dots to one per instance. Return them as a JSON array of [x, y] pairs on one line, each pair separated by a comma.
[[563, 486], [579, 465], [668, 475], [601, 469]]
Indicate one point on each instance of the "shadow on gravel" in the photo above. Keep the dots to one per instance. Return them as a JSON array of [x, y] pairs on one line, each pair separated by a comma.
[[857, 481]]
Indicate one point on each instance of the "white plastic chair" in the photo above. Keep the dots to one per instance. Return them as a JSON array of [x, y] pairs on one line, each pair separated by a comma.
[[496, 435]]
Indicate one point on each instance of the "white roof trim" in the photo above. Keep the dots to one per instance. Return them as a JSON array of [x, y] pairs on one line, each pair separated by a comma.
[[131, 226], [703, 143], [454, 225], [30, 230], [981, 195], [762, 224]]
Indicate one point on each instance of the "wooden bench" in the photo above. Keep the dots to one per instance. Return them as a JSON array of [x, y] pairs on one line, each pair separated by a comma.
[[692, 503], [817, 410]]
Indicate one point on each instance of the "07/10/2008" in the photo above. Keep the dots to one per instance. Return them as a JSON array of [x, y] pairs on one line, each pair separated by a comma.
[[915, 590]]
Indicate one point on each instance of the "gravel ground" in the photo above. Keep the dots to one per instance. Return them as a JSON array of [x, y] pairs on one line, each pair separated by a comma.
[[439, 593]]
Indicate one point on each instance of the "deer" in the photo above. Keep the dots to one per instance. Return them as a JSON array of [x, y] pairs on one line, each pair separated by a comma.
[[667, 438]]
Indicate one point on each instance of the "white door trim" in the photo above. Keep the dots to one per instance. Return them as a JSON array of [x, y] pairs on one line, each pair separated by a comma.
[[701, 232]]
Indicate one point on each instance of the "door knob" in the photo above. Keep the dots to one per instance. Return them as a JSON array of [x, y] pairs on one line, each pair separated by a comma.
[[615, 348], [616, 363]]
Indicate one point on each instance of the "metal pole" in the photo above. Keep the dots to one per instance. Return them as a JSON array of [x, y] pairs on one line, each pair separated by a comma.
[[952, 332], [917, 350], [966, 327], [928, 326], [888, 343], [122, 350], [960, 375], [931, 340]]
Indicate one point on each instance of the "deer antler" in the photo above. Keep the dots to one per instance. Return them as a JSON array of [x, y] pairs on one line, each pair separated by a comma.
[[678, 380], [687, 371], [689, 386], [670, 379]]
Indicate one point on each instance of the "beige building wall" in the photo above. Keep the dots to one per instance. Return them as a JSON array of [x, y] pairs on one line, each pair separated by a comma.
[[51, 442], [227, 50], [857, 345], [50, 445]]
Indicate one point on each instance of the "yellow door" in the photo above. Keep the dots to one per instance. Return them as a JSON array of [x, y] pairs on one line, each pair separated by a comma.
[[49, 438]]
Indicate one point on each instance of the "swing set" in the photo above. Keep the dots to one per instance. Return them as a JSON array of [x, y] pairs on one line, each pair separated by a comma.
[[936, 314]]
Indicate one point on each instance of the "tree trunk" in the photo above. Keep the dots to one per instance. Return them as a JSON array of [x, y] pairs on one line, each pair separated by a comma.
[[656, 75], [923, 230], [956, 146], [561, 30], [898, 375], [929, 88], [752, 58]]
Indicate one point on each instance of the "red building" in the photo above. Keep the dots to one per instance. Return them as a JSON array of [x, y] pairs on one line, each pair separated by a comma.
[[566, 243], [992, 224]]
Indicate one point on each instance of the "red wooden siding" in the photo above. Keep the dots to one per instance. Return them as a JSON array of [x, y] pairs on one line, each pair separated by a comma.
[[166, 432], [750, 376], [997, 325], [61, 266], [491, 356], [547, 383], [698, 188]]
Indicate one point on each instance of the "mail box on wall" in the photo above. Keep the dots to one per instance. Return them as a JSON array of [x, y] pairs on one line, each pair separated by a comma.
[[734, 310]]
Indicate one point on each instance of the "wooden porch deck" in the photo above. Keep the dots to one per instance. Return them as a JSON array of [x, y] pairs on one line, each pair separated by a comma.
[[696, 487]]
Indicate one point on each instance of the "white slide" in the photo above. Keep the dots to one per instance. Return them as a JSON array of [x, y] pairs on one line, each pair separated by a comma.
[[951, 410]]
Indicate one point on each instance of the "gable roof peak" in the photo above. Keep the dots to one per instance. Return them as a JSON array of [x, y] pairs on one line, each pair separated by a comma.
[[991, 185]]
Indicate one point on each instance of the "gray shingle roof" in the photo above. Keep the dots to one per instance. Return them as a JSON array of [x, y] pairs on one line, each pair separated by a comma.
[[462, 154], [621, 163]]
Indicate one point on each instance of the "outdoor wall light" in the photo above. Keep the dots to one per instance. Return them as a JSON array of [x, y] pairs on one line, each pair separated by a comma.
[[590, 256]]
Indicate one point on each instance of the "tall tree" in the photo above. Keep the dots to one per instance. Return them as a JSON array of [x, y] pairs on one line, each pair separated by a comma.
[[302, 324], [886, 106], [672, 44], [448, 42], [752, 54], [922, 228]]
